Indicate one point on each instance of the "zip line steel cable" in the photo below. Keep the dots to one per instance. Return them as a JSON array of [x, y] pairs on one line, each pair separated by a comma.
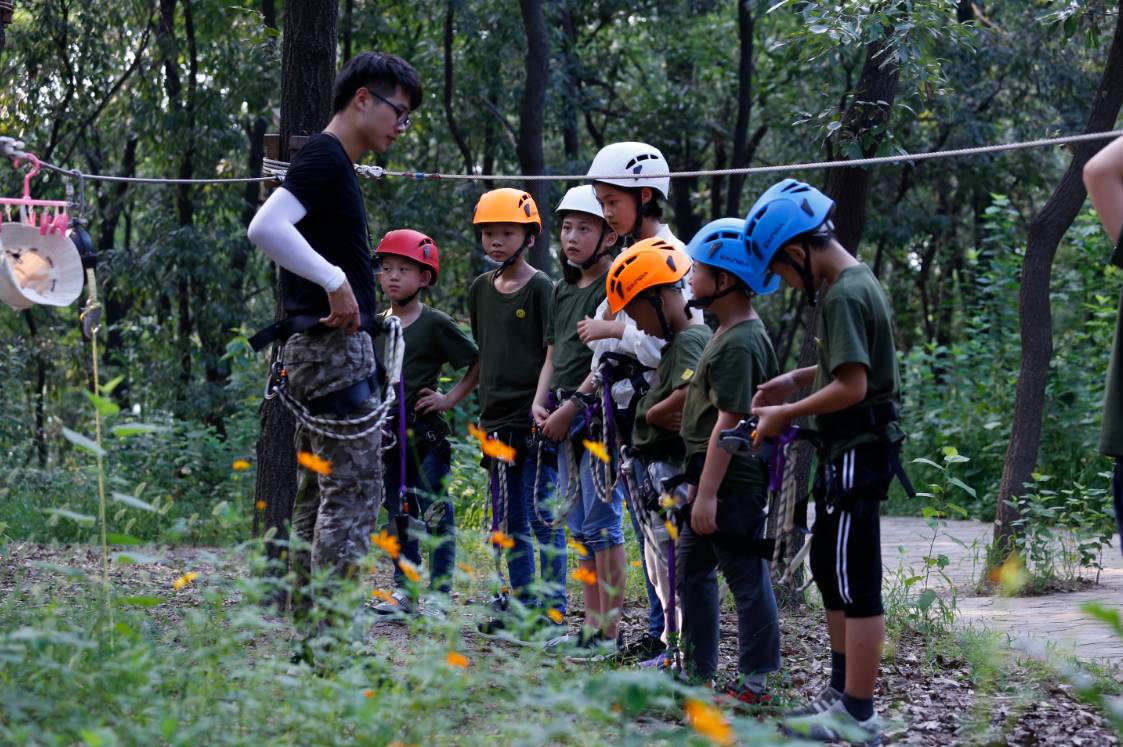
[[12, 148]]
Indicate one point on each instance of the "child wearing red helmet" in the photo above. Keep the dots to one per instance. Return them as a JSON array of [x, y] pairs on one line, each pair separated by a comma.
[[409, 262]]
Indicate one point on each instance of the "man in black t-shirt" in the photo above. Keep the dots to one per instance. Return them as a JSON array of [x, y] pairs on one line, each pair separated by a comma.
[[315, 228]]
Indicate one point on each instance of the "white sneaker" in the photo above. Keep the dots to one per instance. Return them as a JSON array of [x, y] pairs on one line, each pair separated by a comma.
[[822, 702], [399, 603], [835, 724]]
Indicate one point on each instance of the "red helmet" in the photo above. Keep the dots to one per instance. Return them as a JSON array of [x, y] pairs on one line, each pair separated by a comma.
[[405, 242]]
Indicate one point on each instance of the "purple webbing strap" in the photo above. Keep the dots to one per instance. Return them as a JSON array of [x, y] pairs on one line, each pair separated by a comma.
[[402, 487], [606, 406], [672, 617], [776, 466]]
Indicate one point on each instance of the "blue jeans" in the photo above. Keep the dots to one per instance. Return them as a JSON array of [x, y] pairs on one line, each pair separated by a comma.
[[596, 524], [522, 520], [425, 479], [656, 619]]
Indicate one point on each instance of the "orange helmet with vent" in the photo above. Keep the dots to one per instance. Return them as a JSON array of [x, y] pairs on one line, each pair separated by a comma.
[[507, 205], [646, 264]]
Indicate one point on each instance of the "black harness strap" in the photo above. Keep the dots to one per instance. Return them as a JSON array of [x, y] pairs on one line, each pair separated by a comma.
[[283, 330]]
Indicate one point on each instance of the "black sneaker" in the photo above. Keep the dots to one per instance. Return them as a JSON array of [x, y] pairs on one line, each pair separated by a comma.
[[643, 648]]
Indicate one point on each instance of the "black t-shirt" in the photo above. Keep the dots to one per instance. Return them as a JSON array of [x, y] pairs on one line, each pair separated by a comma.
[[323, 178]]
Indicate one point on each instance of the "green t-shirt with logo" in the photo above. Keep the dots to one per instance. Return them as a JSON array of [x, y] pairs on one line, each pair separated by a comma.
[[856, 326], [677, 368], [432, 340], [572, 357], [511, 330], [732, 366]]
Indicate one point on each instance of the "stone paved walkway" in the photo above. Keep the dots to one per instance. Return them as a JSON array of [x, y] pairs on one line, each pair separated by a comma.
[[1053, 620]]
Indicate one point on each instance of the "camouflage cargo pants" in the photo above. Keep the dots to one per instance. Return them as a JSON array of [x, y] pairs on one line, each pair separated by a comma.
[[334, 513]]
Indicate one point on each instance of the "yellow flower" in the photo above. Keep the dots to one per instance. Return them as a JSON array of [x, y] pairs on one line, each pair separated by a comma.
[[492, 447], [313, 463], [637, 564], [577, 547], [597, 449], [410, 570], [240, 465], [382, 594], [672, 530], [585, 576], [667, 501], [1010, 577], [708, 721], [555, 616], [181, 582], [455, 659], [388, 543], [260, 505], [499, 539]]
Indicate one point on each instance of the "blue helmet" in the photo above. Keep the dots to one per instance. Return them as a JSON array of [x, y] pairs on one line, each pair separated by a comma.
[[719, 245], [786, 209]]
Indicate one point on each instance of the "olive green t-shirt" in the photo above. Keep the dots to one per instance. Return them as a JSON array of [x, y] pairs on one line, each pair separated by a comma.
[[511, 330], [732, 366], [855, 326], [432, 340], [677, 367], [572, 357]]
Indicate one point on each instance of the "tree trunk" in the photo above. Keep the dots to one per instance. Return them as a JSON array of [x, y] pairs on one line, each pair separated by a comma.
[[307, 73], [741, 155], [1045, 233], [40, 389], [532, 112], [450, 115], [348, 20], [570, 138]]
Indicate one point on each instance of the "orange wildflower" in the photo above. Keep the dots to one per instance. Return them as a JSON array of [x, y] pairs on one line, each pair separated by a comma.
[[181, 583], [492, 447], [636, 564], [410, 570], [555, 616], [368, 693], [499, 539], [240, 465], [466, 568], [708, 721], [455, 659], [382, 594], [388, 543], [260, 505], [597, 449], [585, 576], [313, 463]]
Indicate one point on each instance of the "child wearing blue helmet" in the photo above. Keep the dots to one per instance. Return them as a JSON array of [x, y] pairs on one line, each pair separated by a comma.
[[854, 408], [725, 519]]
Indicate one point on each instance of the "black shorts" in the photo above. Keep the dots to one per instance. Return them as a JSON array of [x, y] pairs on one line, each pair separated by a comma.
[[846, 539]]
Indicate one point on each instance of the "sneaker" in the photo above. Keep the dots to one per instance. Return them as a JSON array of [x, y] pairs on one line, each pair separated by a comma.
[[835, 724], [822, 702], [741, 695], [643, 648], [664, 660], [493, 628], [568, 644], [399, 603]]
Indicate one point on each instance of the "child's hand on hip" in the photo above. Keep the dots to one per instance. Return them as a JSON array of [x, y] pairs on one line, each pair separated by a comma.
[[430, 401]]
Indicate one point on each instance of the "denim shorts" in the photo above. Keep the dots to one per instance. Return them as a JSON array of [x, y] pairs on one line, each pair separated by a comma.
[[596, 524]]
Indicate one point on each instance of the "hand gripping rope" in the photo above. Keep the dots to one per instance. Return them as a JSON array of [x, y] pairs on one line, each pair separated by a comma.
[[339, 429]]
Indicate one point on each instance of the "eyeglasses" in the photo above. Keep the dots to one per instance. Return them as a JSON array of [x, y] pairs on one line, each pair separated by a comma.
[[404, 120]]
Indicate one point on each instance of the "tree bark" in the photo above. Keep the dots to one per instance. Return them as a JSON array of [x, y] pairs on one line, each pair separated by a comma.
[[450, 115], [1045, 233], [741, 153], [307, 73], [532, 113], [570, 107]]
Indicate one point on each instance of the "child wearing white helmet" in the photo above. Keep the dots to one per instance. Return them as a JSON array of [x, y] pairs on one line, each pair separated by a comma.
[[563, 411]]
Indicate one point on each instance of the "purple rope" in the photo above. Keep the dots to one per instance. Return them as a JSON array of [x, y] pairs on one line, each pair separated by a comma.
[[776, 466], [672, 619], [402, 487], [606, 406]]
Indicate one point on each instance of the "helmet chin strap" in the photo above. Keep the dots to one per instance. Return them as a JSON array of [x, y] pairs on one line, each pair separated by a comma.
[[703, 302], [596, 256], [657, 301], [513, 258], [806, 276]]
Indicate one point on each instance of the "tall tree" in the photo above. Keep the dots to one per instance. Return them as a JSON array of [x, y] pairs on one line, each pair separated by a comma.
[[307, 72], [1045, 233], [743, 145], [532, 113]]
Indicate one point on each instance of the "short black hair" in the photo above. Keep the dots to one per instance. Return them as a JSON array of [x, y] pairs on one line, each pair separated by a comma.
[[653, 207], [385, 73]]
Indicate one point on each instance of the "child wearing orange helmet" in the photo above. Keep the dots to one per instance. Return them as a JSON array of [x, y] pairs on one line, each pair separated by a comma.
[[416, 467], [511, 315]]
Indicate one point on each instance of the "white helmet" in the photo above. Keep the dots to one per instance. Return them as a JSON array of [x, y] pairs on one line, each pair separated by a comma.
[[38, 268], [643, 160], [581, 199]]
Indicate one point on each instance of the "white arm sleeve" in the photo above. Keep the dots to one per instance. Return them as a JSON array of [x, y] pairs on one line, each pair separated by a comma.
[[273, 230]]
